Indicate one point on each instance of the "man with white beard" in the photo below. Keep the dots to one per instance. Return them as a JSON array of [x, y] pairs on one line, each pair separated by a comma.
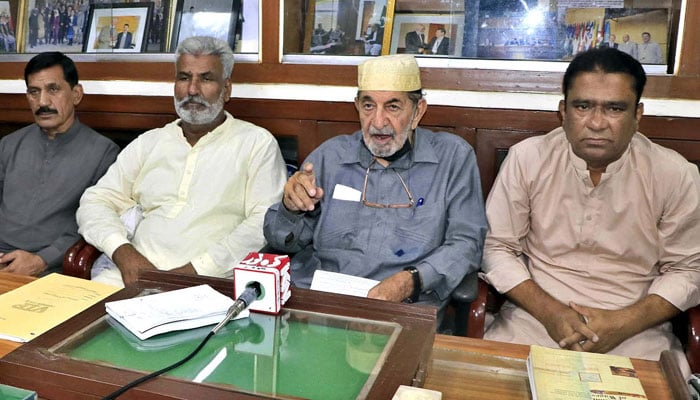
[[392, 202], [194, 192]]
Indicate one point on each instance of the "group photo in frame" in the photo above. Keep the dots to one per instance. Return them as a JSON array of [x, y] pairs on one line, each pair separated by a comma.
[[53, 25], [624, 28], [222, 19], [428, 28], [118, 28]]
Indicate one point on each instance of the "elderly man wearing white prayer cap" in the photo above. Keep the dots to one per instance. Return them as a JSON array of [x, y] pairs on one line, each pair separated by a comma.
[[392, 202]]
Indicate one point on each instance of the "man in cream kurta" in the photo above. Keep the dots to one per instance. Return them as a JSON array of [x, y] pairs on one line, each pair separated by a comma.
[[203, 182], [593, 228]]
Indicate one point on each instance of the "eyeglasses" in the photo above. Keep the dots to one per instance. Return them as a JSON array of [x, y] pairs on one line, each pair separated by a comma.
[[377, 205]]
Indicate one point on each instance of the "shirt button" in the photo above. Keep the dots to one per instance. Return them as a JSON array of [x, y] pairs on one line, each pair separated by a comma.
[[588, 218]]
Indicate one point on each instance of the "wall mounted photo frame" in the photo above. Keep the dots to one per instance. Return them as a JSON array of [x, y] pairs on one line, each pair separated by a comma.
[[8, 30], [346, 27], [405, 26], [157, 35], [222, 19], [622, 28], [54, 26], [118, 28]]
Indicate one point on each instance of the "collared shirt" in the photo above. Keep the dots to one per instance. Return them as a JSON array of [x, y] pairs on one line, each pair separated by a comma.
[[436, 45], [202, 204], [629, 47], [442, 235], [606, 246], [649, 53], [41, 181]]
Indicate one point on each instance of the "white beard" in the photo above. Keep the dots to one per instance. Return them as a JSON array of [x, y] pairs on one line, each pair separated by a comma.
[[195, 117]]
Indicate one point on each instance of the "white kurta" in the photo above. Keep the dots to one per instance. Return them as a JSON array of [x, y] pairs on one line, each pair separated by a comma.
[[202, 204]]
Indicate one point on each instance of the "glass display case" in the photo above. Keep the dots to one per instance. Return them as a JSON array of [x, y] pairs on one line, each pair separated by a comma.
[[120, 26], [523, 30], [340, 357]]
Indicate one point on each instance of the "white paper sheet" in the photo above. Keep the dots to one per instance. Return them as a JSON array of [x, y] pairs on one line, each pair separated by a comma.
[[335, 282]]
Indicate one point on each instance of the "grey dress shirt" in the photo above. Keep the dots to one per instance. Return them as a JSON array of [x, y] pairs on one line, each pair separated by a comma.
[[41, 182], [442, 235]]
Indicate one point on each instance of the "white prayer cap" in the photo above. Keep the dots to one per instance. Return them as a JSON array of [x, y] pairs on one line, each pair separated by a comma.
[[397, 72]]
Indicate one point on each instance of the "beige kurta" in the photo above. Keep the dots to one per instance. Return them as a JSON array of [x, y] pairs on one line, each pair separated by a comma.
[[607, 246]]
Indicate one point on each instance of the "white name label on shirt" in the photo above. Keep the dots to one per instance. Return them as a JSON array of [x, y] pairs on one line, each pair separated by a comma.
[[342, 192]]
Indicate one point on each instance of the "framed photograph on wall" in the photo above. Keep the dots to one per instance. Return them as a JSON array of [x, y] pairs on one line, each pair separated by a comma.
[[118, 28], [8, 30], [222, 19], [346, 27], [427, 34], [54, 26], [157, 35]]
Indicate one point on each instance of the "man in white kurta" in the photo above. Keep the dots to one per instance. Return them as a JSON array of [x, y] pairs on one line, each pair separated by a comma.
[[593, 229], [203, 182]]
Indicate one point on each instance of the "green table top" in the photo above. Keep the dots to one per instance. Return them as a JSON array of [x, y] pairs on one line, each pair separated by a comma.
[[293, 354]]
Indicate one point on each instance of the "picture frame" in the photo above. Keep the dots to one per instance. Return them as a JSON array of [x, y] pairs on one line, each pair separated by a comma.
[[347, 27], [38, 31], [222, 19], [8, 28], [118, 28], [406, 23], [157, 38], [444, 6]]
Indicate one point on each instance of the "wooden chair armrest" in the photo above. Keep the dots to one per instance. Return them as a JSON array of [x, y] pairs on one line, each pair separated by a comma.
[[79, 258], [487, 300], [477, 312], [692, 350], [69, 259], [461, 299]]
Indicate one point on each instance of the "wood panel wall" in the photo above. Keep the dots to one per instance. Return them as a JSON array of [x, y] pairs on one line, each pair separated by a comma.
[[683, 84], [489, 131]]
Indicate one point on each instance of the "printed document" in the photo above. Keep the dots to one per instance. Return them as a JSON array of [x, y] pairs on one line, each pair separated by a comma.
[[175, 310]]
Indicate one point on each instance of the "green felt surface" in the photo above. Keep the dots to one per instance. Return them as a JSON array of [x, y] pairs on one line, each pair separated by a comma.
[[13, 393], [295, 353]]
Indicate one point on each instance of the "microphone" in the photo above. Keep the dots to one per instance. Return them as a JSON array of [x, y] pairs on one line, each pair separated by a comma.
[[272, 273], [250, 294]]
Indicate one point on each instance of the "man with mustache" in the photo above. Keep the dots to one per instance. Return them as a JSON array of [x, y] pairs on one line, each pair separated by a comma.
[[200, 185], [392, 202], [593, 228], [44, 169]]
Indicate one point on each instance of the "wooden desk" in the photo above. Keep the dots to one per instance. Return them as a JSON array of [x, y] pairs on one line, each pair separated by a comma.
[[461, 368], [466, 368], [8, 282]]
